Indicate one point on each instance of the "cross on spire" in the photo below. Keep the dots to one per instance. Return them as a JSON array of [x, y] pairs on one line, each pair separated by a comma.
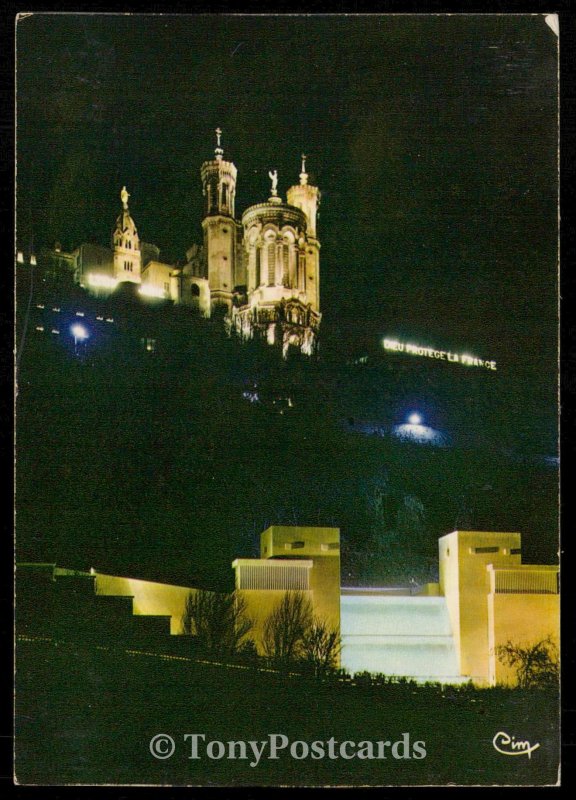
[[303, 174], [218, 151]]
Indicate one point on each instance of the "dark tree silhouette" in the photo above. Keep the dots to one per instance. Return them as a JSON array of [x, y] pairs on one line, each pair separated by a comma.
[[321, 647], [286, 628], [536, 665], [219, 621]]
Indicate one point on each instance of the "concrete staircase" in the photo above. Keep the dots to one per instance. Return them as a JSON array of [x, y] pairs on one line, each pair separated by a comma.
[[396, 635], [62, 604]]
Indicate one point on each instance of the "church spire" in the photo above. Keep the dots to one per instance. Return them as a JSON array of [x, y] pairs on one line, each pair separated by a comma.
[[126, 244], [303, 174], [218, 152], [221, 244], [218, 182]]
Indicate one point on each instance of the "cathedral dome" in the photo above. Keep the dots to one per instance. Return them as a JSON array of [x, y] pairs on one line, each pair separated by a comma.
[[279, 214]]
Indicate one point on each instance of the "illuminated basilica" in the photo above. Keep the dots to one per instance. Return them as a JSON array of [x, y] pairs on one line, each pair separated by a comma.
[[261, 271]]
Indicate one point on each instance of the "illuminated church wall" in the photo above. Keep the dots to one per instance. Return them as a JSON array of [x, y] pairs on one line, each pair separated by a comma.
[[157, 278]]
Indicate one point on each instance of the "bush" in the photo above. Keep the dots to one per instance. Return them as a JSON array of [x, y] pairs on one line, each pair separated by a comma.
[[536, 665]]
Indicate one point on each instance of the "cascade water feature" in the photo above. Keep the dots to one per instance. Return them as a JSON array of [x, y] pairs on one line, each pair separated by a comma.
[[400, 635]]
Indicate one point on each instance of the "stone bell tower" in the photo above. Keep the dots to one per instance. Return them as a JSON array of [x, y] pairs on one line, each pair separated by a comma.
[[307, 198], [126, 245], [219, 226]]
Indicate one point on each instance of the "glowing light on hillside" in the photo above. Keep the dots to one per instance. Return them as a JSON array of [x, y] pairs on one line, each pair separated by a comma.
[[414, 431], [151, 291], [102, 281], [79, 332]]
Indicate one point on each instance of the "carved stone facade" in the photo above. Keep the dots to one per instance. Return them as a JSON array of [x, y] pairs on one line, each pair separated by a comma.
[[265, 269]]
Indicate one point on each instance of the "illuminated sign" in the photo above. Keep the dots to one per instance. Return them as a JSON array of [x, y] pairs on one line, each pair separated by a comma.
[[440, 355]]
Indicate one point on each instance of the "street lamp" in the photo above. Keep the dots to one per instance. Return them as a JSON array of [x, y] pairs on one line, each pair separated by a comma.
[[80, 334]]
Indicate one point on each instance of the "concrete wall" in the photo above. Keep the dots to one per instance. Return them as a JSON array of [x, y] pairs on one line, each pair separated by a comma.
[[149, 597], [319, 547], [492, 598], [523, 619], [322, 545], [449, 584], [463, 558]]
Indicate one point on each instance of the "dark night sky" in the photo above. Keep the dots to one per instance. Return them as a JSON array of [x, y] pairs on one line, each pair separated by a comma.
[[432, 138]]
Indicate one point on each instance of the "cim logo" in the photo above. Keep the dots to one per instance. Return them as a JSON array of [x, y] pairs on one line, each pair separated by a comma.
[[510, 746]]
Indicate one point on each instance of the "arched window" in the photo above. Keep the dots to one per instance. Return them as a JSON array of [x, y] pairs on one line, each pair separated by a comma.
[[285, 265], [271, 264], [258, 266]]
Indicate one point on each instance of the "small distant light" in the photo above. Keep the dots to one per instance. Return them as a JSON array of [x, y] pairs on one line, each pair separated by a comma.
[[79, 313], [100, 318], [79, 332], [33, 260], [55, 308], [20, 257], [40, 305], [39, 328], [415, 419], [109, 319], [54, 330]]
